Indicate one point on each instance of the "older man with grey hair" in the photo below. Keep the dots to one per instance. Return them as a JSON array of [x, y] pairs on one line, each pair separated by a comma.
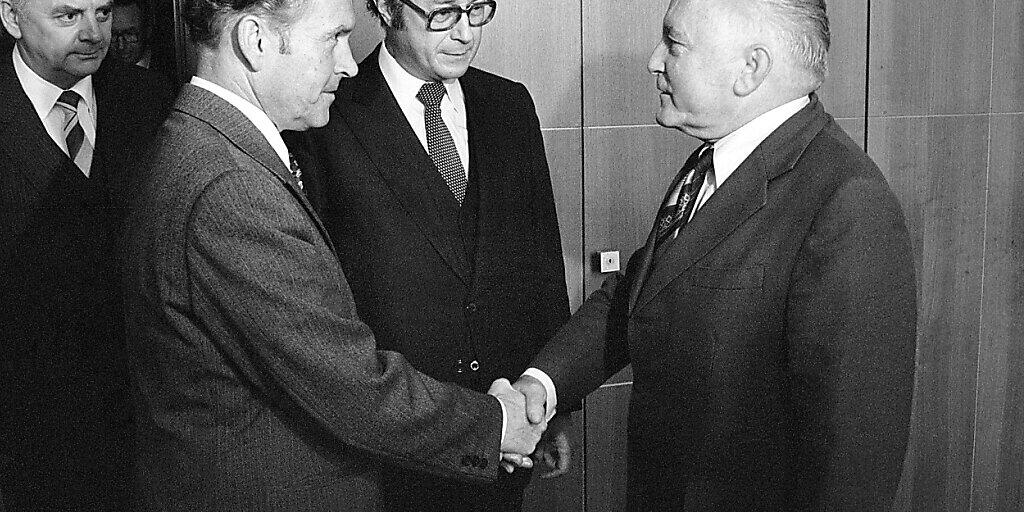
[[770, 317]]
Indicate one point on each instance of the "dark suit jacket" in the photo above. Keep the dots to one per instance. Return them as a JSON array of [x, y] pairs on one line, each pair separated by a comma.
[[467, 294], [772, 342], [64, 408], [260, 389]]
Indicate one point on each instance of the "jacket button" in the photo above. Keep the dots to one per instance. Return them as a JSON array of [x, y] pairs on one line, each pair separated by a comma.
[[471, 307], [475, 365], [483, 463], [460, 367], [466, 461]]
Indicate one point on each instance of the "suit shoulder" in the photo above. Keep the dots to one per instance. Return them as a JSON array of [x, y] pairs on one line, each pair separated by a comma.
[[141, 87], [486, 80]]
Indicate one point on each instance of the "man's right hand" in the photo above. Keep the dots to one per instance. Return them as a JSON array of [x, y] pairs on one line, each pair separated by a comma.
[[521, 435]]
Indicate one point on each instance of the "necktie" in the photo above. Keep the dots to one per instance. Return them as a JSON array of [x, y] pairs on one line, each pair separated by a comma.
[[439, 140], [74, 135], [293, 167], [685, 187]]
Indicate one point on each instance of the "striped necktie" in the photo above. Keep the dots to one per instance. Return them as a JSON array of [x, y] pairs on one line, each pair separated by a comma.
[[440, 144], [685, 188], [74, 134]]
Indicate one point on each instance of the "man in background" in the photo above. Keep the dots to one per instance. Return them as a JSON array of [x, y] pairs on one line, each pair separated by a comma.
[[434, 185], [770, 317], [260, 388], [71, 121]]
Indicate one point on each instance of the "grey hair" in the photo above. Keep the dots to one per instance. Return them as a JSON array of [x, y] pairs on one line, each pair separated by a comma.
[[394, 8], [206, 19], [802, 26]]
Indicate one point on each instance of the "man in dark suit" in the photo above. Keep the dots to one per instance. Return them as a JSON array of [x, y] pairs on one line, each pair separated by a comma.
[[770, 318], [70, 122], [260, 388], [444, 218]]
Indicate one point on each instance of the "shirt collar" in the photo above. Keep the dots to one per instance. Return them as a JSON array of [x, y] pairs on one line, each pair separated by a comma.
[[404, 86], [255, 115], [44, 94], [733, 149]]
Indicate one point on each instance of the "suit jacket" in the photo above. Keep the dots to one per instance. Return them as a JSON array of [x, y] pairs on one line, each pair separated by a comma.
[[467, 294], [64, 408], [260, 388], [772, 342]]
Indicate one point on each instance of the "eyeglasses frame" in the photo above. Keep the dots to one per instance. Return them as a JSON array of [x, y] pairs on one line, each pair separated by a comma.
[[461, 10]]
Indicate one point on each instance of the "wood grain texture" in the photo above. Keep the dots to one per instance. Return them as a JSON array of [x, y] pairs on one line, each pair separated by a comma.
[[627, 170], [564, 148], [931, 57], [607, 410], [618, 38], [540, 46], [999, 460], [843, 90], [1008, 57], [937, 166]]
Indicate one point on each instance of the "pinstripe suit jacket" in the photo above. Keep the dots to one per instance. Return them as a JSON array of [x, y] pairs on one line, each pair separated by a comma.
[[260, 389]]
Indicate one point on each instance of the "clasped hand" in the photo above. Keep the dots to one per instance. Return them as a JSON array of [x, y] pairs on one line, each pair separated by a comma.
[[527, 419]]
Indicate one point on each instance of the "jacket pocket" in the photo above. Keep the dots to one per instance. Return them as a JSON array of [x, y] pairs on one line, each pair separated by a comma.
[[738, 278]]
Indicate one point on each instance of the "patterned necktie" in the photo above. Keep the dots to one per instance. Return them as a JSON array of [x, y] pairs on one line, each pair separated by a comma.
[[439, 140], [293, 167], [685, 188], [74, 135]]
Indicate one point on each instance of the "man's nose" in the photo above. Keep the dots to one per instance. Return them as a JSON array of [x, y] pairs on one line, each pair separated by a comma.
[[91, 29], [461, 31]]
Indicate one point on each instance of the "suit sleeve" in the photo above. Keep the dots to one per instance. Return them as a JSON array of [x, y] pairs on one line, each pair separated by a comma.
[[592, 346], [851, 337], [256, 261]]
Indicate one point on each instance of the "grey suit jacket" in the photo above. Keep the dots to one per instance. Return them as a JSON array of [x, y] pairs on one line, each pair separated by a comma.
[[259, 388]]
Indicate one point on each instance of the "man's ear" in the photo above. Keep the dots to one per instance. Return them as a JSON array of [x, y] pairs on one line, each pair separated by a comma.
[[757, 64], [253, 39], [384, 11], [9, 16]]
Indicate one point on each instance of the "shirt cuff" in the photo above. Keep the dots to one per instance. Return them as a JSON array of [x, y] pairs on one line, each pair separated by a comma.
[[504, 420], [549, 386]]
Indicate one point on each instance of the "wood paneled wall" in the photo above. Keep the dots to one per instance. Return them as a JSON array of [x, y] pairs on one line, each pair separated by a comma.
[[933, 89]]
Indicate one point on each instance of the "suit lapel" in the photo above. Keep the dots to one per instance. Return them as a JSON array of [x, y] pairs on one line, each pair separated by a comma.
[[237, 128], [745, 192], [384, 132], [26, 141], [486, 165]]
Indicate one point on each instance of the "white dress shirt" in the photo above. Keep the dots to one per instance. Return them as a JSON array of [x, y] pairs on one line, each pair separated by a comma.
[[730, 152], [43, 96], [253, 113], [405, 87]]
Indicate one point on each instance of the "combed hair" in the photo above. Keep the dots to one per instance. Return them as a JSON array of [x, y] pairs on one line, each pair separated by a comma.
[[206, 19], [802, 25], [394, 8]]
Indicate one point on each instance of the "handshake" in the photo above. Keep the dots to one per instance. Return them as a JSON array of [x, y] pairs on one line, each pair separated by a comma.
[[526, 420]]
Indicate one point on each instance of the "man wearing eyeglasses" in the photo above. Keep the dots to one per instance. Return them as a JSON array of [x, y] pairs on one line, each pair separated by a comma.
[[432, 179]]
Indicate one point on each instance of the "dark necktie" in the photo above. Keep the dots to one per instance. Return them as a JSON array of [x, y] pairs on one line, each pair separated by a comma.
[[439, 140], [293, 167], [685, 188], [74, 135]]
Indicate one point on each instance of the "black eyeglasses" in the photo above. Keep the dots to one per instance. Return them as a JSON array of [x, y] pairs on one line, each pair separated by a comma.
[[444, 18]]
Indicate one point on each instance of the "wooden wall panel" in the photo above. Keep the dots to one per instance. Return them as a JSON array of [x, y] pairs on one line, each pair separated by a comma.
[[843, 90], [564, 148], [539, 45], [939, 176], [606, 420], [1008, 57], [627, 172], [930, 57], [618, 38], [999, 460]]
